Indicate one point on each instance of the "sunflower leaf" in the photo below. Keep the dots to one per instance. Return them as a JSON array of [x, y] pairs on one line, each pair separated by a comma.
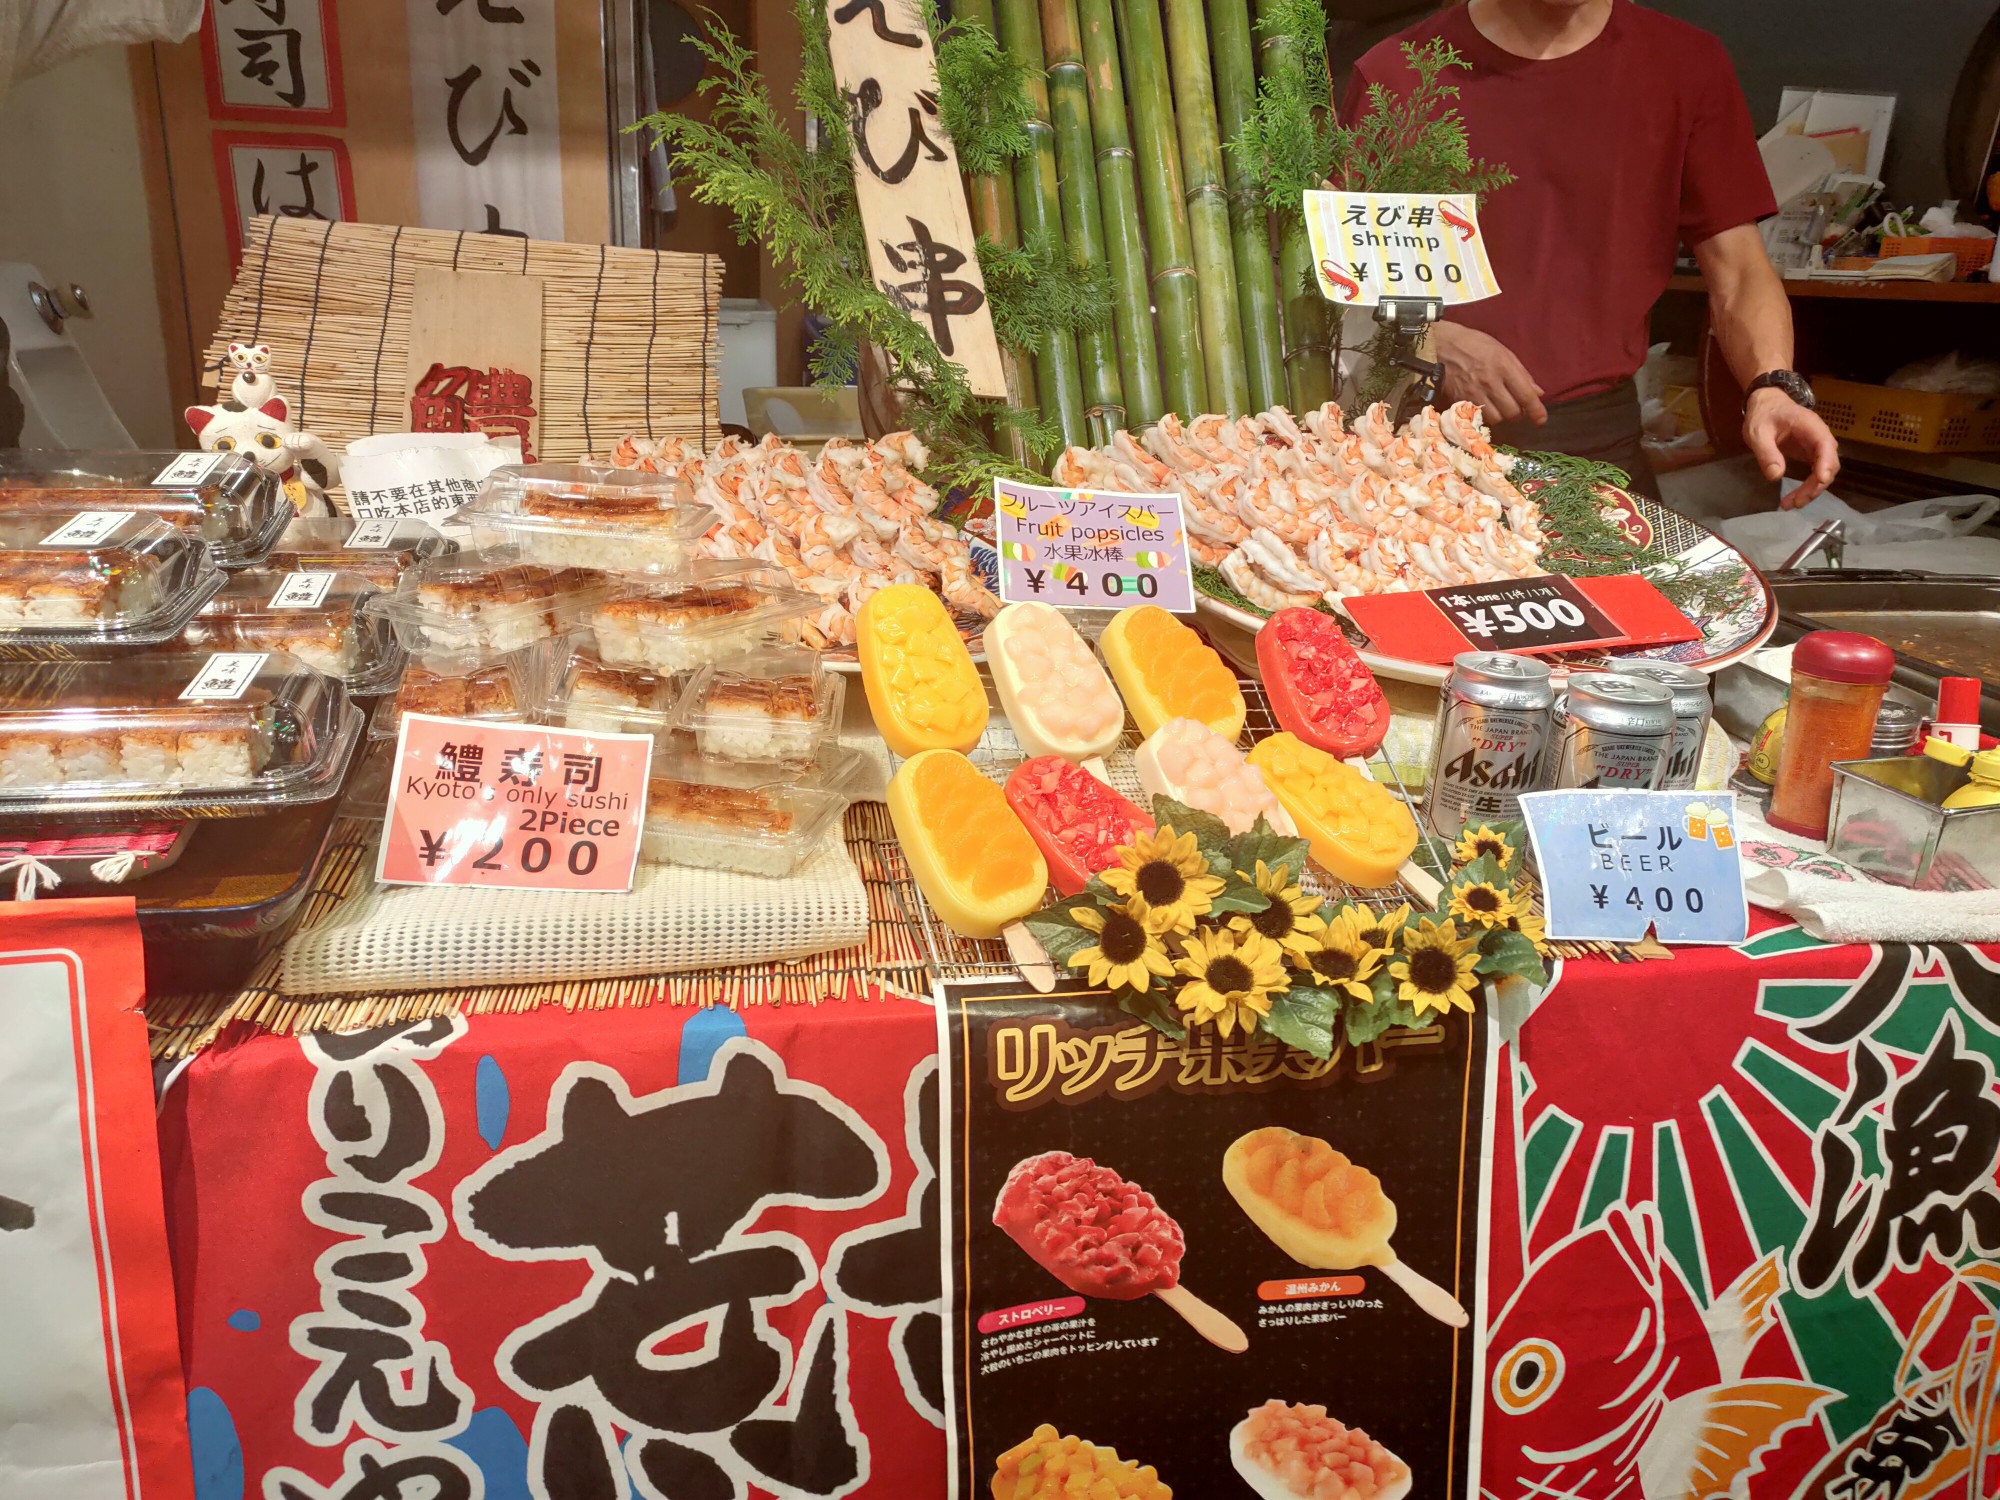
[[1504, 952], [1303, 1017], [1237, 895], [1363, 1023], [1273, 848], [1211, 834], [1153, 1008], [1055, 928], [1485, 868]]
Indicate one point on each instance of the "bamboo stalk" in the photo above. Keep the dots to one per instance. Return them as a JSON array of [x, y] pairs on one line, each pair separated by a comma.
[[1207, 206], [1118, 194], [1144, 50], [990, 196], [1307, 322], [1037, 202], [1083, 219], [1249, 225]]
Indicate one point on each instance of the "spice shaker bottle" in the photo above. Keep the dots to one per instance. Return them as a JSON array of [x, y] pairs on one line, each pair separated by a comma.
[[1838, 678]]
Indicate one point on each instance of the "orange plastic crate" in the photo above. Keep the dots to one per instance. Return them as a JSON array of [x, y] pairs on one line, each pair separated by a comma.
[[1972, 254], [1919, 421]]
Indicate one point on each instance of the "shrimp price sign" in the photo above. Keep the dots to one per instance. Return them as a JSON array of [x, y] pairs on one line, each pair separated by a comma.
[[514, 806], [1367, 246], [1617, 863], [1091, 549]]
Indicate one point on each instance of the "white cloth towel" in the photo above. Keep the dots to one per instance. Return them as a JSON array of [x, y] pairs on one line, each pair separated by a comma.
[[1838, 904]]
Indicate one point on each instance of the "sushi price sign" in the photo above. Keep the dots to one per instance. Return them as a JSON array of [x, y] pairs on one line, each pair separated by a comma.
[[514, 807], [1367, 246], [1091, 549], [1617, 863]]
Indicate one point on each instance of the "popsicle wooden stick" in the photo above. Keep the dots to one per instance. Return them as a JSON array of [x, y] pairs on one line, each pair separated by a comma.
[[1206, 1321], [1030, 957], [1427, 1294], [1096, 766]]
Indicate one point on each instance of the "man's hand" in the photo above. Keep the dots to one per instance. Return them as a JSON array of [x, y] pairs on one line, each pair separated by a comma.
[[1774, 426], [1481, 369]]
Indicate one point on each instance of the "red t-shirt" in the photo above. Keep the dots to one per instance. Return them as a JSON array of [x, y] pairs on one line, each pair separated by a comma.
[[1618, 150]]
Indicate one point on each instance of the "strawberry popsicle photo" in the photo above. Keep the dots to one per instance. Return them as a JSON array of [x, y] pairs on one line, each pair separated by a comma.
[[1102, 1236]]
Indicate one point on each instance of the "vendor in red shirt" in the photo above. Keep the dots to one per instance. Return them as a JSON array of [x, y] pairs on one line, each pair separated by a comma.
[[1626, 133]]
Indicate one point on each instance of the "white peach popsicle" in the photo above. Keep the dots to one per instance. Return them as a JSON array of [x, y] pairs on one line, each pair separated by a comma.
[[1052, 688], [1186, 760]]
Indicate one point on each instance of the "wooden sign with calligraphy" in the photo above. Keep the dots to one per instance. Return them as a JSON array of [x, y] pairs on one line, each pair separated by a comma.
[[476, 355], [920, 237]]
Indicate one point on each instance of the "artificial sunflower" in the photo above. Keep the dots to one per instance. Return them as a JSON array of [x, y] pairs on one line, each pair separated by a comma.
[[1342, 961], [1435, 967], [1126, 952], [1380, 929], [1292, 920], [1480, 903], [1164, 880], [1231, 978], [1533, 928], [1485, 839]]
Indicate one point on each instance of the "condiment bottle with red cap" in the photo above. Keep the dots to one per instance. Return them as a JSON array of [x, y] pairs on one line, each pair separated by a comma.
[[1838, 679], [1957, 717]]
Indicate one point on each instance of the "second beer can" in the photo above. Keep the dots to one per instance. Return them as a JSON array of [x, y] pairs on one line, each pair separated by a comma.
[[1610, 731], [1689, 685], [1492, 735]]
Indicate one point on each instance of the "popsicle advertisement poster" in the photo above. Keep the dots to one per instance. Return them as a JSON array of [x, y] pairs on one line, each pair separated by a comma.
[[1091, 549], [1204, 1259]]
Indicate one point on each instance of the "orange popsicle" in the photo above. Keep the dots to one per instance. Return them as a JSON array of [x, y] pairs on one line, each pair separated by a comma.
[[1166, 671], [972, 858], [1357, 829], [922, 687], [1055, 1466]]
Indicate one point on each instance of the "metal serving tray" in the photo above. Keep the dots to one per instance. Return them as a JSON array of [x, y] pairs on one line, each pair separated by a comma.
[[1886, 821]]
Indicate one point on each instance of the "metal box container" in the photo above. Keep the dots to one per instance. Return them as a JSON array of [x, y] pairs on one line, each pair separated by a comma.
[[1887, 822]]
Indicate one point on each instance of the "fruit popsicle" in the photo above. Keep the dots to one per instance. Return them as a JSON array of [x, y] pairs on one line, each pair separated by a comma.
[[1102, 1236], [1186, 760], [1324, 1211], [922, 687], [1048, 1465], [1053, 689], [1357, 829], [970, 855], [1285, 1451], [1166, 671], [1319, 687], [1077, 821]]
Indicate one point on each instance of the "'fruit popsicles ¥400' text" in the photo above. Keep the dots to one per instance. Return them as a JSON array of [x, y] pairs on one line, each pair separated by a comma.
[[1052, 688]]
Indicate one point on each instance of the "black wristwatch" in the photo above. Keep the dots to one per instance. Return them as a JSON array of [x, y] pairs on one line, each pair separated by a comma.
[[1791, 382]]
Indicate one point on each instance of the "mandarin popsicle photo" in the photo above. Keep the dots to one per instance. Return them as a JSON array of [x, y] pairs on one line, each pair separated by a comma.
[[1357, 828], [1049, 1465], [1052, 687], [1102, 1236], [1167, 671], [1324, 1211], [974, 862], [922, 687], [1285, 1451]]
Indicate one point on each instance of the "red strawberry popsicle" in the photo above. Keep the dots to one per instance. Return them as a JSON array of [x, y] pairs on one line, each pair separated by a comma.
[[1102, 1236]]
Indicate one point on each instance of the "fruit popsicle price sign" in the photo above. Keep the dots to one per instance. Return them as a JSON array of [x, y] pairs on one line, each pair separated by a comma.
[[1091, 549], [514, 806], [1367, 246], [1614, 864]]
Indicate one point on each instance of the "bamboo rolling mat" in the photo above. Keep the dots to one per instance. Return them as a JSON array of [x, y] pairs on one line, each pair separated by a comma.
[[629, 340]]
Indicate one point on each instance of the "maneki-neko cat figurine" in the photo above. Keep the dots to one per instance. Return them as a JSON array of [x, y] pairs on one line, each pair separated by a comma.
[[255, 420]]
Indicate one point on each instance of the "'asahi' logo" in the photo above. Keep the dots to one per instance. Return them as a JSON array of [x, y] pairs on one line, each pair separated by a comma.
[[1473, 769]]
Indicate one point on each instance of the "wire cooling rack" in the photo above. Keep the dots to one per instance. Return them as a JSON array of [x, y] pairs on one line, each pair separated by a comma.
[[954, 959]]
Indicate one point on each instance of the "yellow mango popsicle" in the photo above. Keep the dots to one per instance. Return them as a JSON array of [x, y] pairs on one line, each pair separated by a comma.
[[971, 856], [1356, 828], [1166, 671], [922, 687]]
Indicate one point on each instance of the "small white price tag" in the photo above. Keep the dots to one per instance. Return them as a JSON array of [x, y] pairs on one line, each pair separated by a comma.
[[191, 468], [371, 535], [227, 674], [86, 528], [302, 591]]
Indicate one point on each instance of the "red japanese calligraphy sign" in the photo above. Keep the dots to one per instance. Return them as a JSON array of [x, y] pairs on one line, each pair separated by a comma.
[[475, 355], [913, 208]]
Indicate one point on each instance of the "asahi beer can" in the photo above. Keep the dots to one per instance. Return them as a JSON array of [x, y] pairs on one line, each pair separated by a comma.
[[1691, 713], [1610, 731], [1493, 729]]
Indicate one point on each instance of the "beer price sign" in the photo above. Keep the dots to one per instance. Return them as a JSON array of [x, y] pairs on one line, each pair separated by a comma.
[[1614, 864]]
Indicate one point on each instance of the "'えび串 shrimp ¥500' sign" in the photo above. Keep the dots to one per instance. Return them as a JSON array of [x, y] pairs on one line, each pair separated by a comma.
[[1367, 246]]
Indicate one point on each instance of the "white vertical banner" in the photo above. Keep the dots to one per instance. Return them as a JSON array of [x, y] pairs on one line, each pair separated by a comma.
[[483, 89]]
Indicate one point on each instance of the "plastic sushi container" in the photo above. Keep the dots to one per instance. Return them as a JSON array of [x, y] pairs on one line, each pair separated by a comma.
[[73, 582], [708, 613], [778, 704], [177, 734], [320, 618], [586, 516], [219, 498], [506, 691], [724, 815], [379, 550], [580, 690], [460, 610]]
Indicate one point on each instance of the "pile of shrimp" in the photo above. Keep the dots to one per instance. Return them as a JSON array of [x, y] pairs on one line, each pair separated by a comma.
[[1294, 512], [844, 525]]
